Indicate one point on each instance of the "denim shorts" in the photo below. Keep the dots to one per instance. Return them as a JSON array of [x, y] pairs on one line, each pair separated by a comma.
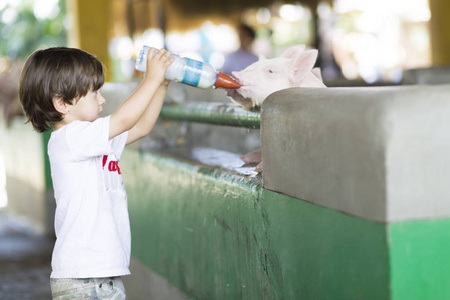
[[110, 288]]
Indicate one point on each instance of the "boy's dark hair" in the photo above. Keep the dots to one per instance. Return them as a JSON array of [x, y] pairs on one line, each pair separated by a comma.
[[65, 73]]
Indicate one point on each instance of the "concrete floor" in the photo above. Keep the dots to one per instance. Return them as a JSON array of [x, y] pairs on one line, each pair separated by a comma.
[[24, 261]]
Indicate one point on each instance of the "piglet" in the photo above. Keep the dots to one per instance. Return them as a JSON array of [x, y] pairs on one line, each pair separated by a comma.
[[294, 68]]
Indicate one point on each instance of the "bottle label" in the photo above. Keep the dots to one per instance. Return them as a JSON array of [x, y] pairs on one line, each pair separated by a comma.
[[193, 72]]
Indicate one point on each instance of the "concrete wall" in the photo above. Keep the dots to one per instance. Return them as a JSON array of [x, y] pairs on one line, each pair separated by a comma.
[[352, 205]]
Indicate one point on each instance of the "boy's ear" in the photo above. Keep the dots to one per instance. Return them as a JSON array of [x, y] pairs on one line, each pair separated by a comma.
[[59, 104]]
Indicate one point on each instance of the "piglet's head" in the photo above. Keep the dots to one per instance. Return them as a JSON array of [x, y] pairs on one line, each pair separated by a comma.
[[294, 68]]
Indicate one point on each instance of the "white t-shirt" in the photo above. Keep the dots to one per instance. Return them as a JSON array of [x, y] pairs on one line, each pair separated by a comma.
[[91, 220]]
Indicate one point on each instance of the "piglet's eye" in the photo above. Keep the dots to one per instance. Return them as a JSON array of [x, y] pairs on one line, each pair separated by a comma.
[[271, 71]]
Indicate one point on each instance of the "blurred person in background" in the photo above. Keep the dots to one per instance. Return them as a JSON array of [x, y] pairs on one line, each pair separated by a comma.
[[243, 57]]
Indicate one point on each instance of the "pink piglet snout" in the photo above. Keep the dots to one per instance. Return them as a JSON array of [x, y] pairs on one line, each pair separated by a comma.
[[237, 76]]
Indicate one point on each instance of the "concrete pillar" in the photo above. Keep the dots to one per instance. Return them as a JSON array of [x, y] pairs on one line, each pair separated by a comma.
[[379, 155]]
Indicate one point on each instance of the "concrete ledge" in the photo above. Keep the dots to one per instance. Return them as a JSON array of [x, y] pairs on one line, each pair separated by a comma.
[[429, 75], [377, 153]]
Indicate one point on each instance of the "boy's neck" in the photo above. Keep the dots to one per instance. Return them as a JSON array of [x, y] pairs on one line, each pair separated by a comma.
[[60, 124]]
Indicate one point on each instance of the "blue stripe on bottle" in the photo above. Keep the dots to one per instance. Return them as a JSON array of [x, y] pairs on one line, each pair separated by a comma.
[[193, 72]]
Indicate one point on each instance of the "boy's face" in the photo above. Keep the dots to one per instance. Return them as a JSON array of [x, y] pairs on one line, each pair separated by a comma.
[[88, 108]]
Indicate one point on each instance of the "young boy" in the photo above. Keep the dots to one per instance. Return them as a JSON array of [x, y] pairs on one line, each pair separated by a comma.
[[60, 89]]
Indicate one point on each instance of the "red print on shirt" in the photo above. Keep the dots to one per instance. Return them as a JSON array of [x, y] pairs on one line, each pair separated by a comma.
[[113, 165], [111, 174]]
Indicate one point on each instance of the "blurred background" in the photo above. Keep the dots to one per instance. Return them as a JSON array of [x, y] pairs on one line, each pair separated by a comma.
[[371, 41]]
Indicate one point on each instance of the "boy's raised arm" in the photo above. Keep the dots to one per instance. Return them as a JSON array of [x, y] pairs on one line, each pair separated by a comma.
[[149, 117], [130, 111]]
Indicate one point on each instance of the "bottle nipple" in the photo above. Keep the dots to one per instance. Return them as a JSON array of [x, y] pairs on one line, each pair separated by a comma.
[[226, 82]]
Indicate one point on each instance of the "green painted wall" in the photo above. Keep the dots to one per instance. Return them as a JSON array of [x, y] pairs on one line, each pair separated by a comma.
[[420, 263], [48, 175], [217, 236]]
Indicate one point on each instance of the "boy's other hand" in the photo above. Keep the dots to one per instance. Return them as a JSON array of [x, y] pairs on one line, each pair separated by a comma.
[[157, 64]]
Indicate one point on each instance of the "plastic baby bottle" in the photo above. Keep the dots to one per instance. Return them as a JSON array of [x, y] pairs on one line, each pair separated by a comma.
[[190, 71]]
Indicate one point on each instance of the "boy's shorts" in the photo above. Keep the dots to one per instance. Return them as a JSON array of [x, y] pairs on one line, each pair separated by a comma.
[[110, 288]]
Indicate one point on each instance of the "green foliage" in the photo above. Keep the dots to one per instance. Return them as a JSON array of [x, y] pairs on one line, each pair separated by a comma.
[[22, 32]]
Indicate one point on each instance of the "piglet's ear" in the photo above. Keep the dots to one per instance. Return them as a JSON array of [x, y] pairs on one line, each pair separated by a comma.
[[303, 65], [294, 51], [317, 73]]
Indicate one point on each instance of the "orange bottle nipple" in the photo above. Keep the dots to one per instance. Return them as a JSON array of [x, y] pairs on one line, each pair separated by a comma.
[[226, 82]]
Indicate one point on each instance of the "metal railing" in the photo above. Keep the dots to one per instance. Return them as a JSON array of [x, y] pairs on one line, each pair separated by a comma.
[[227, 114]]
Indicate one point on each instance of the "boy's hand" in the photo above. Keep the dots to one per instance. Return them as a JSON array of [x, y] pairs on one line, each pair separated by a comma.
[[157, 64]]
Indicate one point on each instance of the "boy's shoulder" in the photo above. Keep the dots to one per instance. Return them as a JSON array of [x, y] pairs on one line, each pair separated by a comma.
[[81, 131], [85, 126]]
